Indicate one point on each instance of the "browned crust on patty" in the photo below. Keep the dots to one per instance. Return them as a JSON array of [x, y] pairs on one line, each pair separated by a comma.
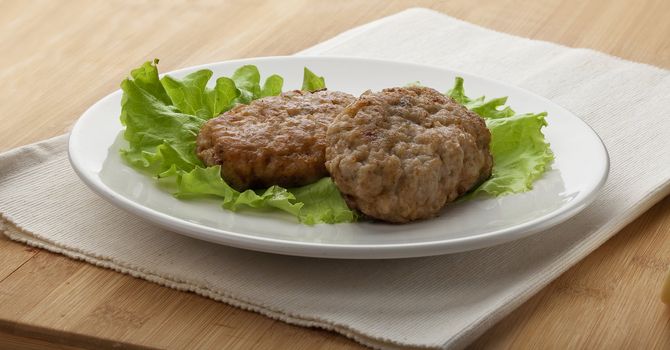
[[401, 154], [277, 140]]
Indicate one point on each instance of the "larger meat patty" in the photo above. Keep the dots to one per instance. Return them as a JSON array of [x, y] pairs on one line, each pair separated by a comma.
[[277, 140], [403, 153]]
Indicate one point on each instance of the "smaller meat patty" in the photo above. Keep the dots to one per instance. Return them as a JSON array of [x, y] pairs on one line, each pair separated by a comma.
[[276, 140], [401, 154]]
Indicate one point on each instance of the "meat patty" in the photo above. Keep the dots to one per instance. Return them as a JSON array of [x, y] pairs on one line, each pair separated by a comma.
[[277, 140], [401, 154]]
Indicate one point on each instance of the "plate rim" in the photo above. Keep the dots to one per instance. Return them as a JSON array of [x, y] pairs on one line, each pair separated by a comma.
[[337, 250]]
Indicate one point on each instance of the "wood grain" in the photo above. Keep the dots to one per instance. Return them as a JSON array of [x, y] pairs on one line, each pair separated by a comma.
[[58, 57], [14, 342]]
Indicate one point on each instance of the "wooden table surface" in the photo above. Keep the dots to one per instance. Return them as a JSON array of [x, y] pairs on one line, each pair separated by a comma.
[[59, 57]]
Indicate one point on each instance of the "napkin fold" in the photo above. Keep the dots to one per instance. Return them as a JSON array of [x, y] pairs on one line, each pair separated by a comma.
[[434, 302]]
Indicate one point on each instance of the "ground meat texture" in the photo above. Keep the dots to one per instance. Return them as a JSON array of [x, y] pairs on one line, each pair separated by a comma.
[[401, 154], [277, 140]]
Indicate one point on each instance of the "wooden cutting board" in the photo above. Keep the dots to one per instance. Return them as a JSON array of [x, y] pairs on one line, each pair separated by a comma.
[[58, 57]]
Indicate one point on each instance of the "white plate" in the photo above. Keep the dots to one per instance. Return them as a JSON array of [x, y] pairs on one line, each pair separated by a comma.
[[579, 171]]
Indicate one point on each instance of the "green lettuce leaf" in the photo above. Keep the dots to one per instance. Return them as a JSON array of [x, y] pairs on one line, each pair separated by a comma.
[[146, 78], [201, 182], [273, 85], [323, 202], [192, 96], [188, 94], [312, 82], [247, 79], [222, 97], [520, 152], [274, 197], [320, 202], [159, 135], [162, 120]]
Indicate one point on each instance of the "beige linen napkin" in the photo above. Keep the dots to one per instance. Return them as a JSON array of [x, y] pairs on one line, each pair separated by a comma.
[[438, 302]]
